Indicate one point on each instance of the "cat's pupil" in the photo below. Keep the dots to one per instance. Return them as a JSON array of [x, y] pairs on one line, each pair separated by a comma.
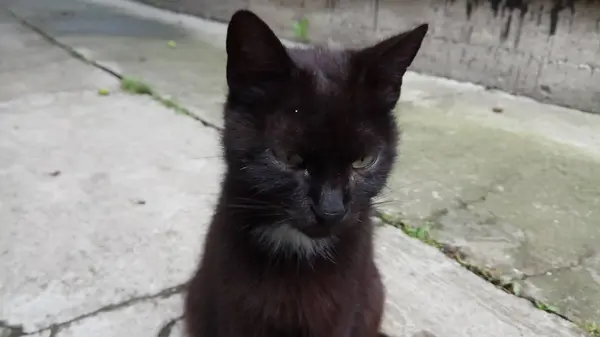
[[364, 162]]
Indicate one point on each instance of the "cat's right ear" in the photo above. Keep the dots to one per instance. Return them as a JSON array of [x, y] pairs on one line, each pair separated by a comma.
[[383, 65], [255, 56]]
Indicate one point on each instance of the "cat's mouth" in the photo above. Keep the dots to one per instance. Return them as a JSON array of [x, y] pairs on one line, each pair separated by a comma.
[[317, 227], [319, 230], [316, 231]]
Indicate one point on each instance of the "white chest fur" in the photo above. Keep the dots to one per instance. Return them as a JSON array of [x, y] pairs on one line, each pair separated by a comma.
[[287, 240]]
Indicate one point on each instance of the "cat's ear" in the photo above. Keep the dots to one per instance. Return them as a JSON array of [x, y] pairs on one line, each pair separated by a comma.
[[254, 53], [383, 65]]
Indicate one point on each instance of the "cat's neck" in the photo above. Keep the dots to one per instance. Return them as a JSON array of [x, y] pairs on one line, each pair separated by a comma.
[[283, 244], [286, 241]]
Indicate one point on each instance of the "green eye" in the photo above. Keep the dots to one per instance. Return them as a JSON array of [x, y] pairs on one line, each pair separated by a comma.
[[289, 159], [364, 162]]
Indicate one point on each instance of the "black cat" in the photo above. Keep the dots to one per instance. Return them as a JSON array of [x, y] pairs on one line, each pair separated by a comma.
[[309, 141]]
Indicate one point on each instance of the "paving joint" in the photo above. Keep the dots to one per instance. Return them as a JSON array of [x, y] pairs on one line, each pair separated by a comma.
[[14, 330], [466, 205], [453, 252], [509, 285], [166, 329], [56, 328], [61, 45], [578, 263], [169, 103]]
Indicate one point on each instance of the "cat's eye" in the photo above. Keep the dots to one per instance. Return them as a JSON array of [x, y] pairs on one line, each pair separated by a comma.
[[290, 159], [364, 162]]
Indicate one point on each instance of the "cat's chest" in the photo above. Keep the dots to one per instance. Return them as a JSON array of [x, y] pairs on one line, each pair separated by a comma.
[[314, 305]]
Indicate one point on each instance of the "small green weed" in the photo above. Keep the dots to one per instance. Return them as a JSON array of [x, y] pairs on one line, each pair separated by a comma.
[[171, 104], [138, 87], [420, 233], [514, 288], [510, 286], [546, 307], [301, 29], [103, 92], [593, 328], [134, 86]]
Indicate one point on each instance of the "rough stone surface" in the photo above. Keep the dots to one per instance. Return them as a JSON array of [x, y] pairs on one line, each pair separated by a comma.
[[151, 318], [192, 72], [407, 266], [25, 52], [100, 201], [517, 198], [110, 201], [107, 197], [5, 332], [429, 295], [543, 48]]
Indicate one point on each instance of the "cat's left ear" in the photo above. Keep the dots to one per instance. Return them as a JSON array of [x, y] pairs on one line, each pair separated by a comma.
[[255, 55], [383, 65]]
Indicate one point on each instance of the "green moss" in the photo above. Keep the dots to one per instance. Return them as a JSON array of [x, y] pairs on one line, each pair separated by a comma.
[[546, 307], [134, 86], [171, 104], [301, 29], [593, 328], [511, 286]]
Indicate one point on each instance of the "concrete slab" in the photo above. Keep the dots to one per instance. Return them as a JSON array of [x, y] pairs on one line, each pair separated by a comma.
[[150, 318], [427, 292], [424, 289], [192, 72], [517, 192], [430, 295], [24, 53], [101, 202]]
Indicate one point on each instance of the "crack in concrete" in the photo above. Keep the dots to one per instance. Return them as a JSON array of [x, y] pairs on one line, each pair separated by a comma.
[[14, 330], [507, 285], [59, 44], [467, 204], [457, 254], [578, 263], [166, 330], [53, 41], [56, 328]]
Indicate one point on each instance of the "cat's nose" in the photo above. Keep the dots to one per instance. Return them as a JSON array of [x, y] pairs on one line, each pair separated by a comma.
[[329, 215], [330, 208]]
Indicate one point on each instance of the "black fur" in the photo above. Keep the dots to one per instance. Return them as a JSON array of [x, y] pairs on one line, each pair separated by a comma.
[[309, 140]]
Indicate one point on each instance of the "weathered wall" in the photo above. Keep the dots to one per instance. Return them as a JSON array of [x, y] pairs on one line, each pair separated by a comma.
[[545, 49]]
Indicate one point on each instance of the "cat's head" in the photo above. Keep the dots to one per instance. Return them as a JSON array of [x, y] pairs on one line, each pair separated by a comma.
[[310, 136]]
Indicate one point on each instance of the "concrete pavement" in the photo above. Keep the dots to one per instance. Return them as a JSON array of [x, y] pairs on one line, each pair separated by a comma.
[[103, 199], [107, 197]]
